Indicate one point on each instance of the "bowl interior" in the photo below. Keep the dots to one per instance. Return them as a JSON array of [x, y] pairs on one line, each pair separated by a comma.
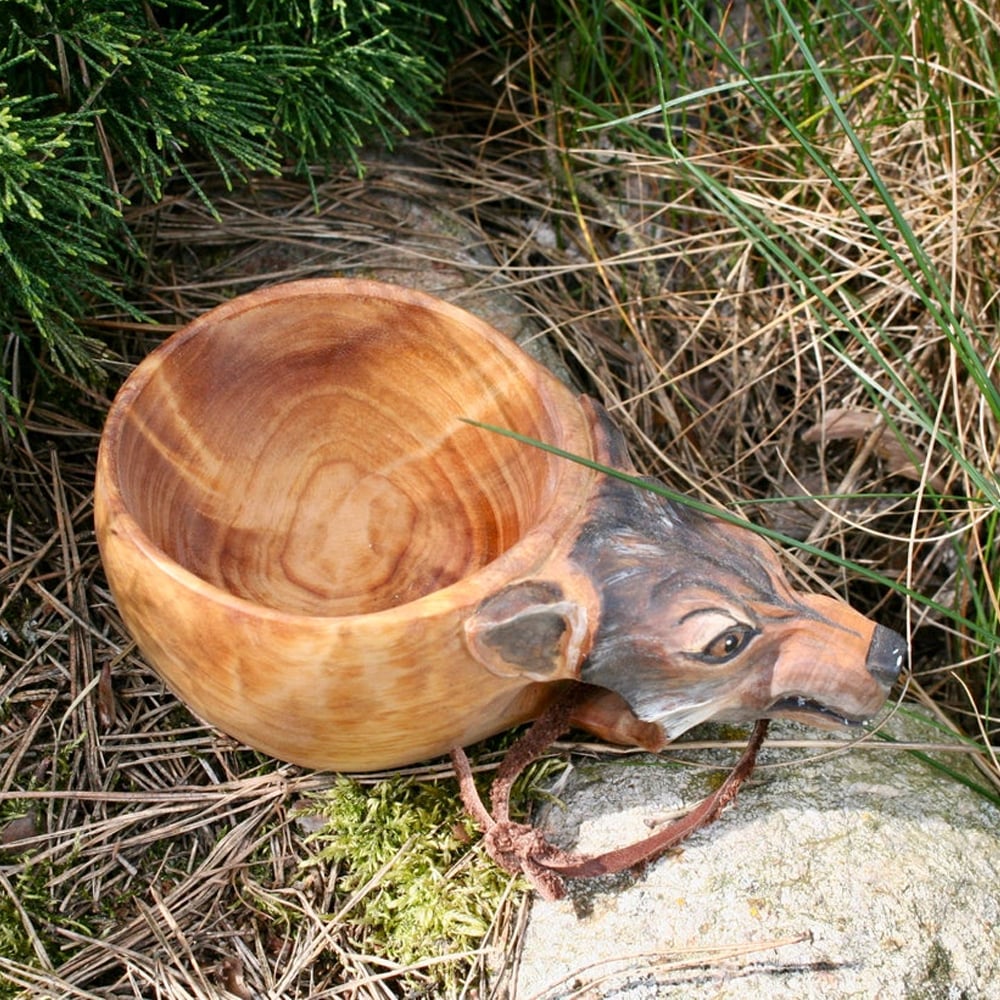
[[308, 453]]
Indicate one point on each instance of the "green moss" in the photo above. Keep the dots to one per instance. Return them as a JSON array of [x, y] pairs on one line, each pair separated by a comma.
[[26, 901], [15, 941], [427, 891], [936, 982]]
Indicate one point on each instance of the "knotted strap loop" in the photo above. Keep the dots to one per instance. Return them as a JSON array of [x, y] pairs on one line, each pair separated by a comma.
[[521, 847]]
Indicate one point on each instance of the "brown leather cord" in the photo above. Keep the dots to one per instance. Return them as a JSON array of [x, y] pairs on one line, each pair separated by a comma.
[[521, 847]]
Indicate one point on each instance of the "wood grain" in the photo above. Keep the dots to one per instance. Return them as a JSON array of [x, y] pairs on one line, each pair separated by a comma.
[[295, 521]]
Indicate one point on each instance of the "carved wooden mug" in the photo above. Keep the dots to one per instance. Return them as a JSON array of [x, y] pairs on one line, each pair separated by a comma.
[[324, 559]]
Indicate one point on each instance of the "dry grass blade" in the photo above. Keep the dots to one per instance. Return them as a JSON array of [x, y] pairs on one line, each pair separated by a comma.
[[668, 967]]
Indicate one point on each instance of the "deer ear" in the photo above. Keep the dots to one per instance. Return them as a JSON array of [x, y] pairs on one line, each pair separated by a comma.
[[530, 629]]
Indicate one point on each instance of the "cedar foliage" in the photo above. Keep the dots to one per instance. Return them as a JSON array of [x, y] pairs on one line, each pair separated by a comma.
[[103, 104]]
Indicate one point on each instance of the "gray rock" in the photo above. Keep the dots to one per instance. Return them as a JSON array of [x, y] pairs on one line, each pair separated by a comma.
[[437, 250], [865, 874]]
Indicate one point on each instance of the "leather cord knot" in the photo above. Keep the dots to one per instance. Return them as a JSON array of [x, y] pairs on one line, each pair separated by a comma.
[[520, 847]]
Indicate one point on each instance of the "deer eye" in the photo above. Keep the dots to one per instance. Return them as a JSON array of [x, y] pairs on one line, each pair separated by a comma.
[[729, 643]]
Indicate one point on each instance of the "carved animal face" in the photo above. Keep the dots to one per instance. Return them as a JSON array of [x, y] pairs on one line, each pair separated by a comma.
[[677, 618], [699, 622]]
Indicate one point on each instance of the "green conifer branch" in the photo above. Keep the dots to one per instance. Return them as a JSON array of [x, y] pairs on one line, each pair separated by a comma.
[[92, 95]]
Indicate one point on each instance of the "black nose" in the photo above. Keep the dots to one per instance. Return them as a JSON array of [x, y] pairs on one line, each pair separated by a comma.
[[885, 656]]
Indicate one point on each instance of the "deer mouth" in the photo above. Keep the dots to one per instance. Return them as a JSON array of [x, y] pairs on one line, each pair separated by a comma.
[[811, 711]]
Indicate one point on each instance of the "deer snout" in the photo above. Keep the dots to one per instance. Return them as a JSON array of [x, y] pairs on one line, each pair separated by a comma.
[[886, 653]]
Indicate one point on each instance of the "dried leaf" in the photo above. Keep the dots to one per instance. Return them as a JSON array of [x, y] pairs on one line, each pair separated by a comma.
[[853, 425], [22, 828], [105, 698], [841, 423], [231, 973]]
